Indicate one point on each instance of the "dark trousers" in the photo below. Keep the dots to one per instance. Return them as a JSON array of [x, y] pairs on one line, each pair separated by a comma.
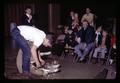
[[22, 43]]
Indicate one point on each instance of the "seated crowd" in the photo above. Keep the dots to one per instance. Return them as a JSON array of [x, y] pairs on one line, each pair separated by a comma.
[[84, 36]]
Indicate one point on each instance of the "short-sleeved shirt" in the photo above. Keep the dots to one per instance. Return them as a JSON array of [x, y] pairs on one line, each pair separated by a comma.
[[32, 34]]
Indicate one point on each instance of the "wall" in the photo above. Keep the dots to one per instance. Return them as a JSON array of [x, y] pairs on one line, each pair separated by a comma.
[[54, 17], [12, 13]]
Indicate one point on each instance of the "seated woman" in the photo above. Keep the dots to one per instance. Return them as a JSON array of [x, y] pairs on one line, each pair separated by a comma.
[[103, 45]]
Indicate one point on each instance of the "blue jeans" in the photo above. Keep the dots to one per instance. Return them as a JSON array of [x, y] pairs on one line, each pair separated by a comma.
[[86, 49], [101, 50], [22, 43]]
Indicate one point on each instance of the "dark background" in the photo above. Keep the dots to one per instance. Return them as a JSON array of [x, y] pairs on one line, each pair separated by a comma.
[[106, 11], [102, 9]]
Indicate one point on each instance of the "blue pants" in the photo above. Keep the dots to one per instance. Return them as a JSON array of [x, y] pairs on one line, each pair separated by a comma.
[[85, 49], [101, 50], [15, 33]]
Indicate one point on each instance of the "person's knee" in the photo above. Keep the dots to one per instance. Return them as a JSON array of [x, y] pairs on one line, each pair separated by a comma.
[[86, 49], [77, 47], [77, 50], [96, 49]]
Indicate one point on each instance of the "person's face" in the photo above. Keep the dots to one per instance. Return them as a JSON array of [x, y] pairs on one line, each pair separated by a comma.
[[71, 13], [66, 29], [104, 33], [28, 11], [87, 10], [85, 24], [76, 15], [99, 29], [47, 43]]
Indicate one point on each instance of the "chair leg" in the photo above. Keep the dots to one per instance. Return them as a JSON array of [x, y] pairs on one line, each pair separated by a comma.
[[95, 60], [78, 58], [75, 57], [62, 55], [90, 56]]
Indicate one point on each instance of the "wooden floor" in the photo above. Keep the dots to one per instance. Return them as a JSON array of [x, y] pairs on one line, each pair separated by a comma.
[[69, 69]]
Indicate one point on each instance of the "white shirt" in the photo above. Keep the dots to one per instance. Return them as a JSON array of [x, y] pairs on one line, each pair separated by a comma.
[[32, 34], [97, 33]]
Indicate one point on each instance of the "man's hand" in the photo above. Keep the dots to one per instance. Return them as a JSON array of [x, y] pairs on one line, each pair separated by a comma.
[[78, 40], [40, 59], [30, 17], [42, 62]]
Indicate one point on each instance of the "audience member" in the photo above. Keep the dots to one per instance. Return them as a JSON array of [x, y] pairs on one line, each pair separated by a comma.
[[86, 40], [71, 18], [89, 17], [75, 23], [98, 35], [103, 45], [27, 18], [70, 38]]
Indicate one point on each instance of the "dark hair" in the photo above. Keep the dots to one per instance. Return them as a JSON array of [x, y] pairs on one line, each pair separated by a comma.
[[104, 29], [86, 21], [88, 8], [98, 27]]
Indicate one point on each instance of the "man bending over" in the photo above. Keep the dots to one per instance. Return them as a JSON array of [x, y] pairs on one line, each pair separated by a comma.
[[23, 33]]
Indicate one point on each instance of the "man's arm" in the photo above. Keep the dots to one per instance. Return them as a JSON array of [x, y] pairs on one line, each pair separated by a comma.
[[34, 55]]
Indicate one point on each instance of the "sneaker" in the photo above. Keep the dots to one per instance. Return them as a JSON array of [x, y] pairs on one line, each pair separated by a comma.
[[111, 61], [55, 64], [26, 75], [81, 59], [52, 66], [50, 70]]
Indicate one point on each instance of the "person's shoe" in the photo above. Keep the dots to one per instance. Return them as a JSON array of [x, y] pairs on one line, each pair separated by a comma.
[[50, 70], [111, 61], [82, 58], [55, 65], [52, 66], [26, 75]]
